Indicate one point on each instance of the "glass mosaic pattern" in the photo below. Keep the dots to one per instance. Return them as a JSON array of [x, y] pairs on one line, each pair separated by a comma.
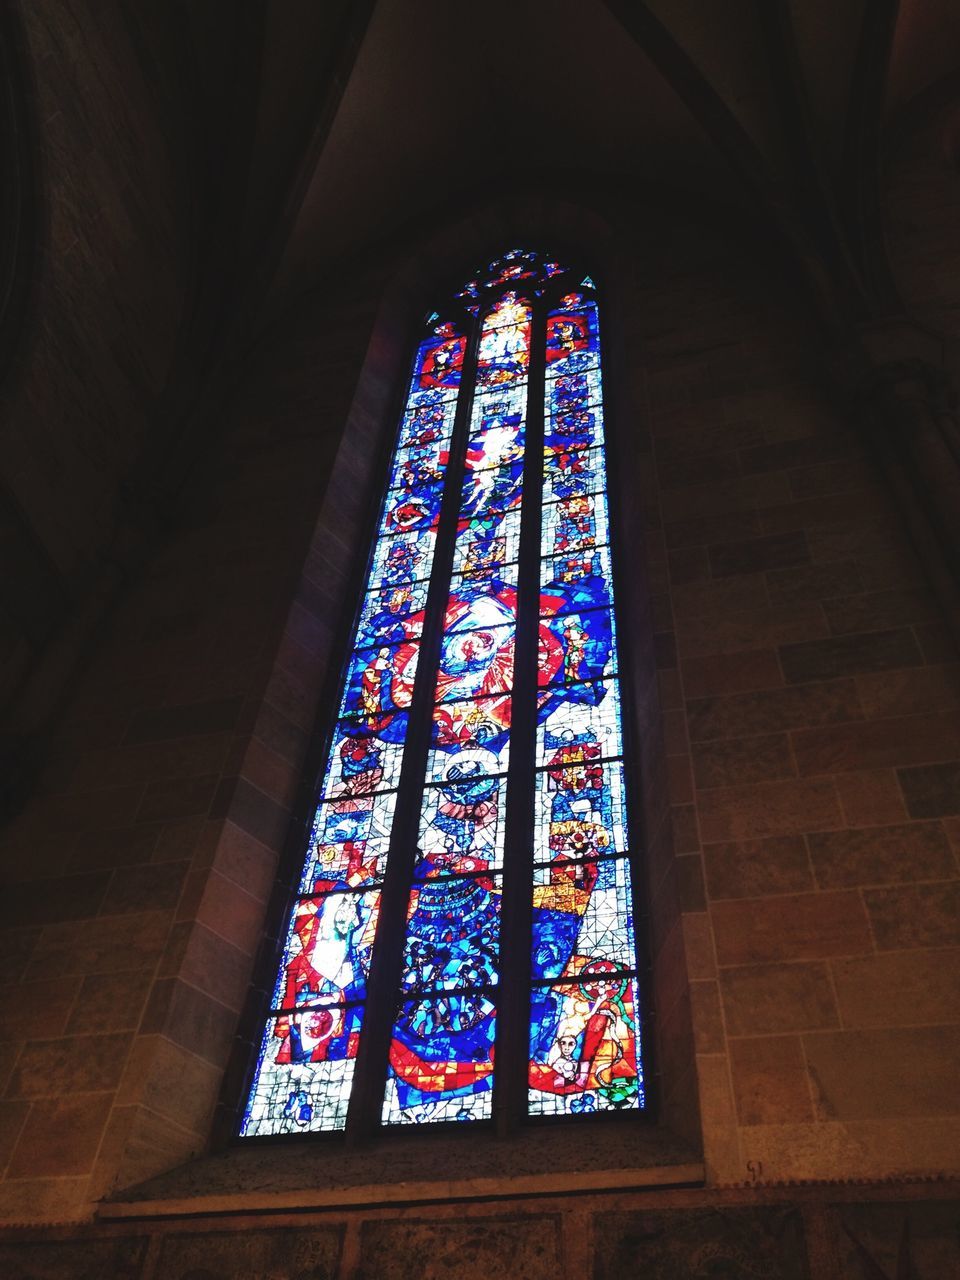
[[441, 1055], [584, 1054], [304, 1071], [584, 1014]]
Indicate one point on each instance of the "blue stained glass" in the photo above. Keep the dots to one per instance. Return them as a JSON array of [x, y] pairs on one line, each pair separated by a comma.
[[329, 943], [453, 933], [584, 1053], [441, 1059], [304, 1070], [478, 661], [472, 732], [392, 613], [379, 684], [505, 343], [584, 1045], [576, 645], [485, 540], [349, 841], [440, 360], [572, 338], [570, 470], [462, 820], [428, 422], [584, 1016], [442, 1046], [582, 912], [584, 716], [581, 576]]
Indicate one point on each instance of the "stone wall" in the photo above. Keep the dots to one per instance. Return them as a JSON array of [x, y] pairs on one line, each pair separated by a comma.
[[835, 1234]]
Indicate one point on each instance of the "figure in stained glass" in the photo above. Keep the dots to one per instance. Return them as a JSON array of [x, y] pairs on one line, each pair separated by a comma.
[[505, 343], [584, 1043]]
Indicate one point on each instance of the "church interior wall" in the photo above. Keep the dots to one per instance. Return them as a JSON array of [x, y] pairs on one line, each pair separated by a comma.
[[797, 696]]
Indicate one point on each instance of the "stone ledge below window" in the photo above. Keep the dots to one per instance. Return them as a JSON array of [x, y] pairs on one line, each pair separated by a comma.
[[300, 1174]]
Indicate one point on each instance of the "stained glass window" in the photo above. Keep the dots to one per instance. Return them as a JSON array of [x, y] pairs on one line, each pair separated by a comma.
[[462, 941]]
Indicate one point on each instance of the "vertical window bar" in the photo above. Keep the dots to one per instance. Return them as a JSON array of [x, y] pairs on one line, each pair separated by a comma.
[[509, 1089]]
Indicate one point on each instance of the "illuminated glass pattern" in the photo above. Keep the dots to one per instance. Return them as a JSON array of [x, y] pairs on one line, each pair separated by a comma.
[[306, 1063], [480, 459]]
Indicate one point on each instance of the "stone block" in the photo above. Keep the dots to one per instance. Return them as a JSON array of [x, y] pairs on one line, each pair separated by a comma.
[[761, 628], [155, 886], [252, 811], [150, 763], [877, 610], [799, 926], [921, 915], [753, 868], [12, 1117], [910, 1238], [768, 809], [489, 1248], [60, 1136], [931, 791], [23, 1002], [119, 847], [764, 1242], [109, 1002], [107, 945], [871, 798], [214, 715], [909, 692], [310, 1252], [231, 912], [726, 762], [190, 1018], [702, 530], [708, 1034], [171, 799], [64, 898], [726, 497], [170, 1081], [731, 673], [850, 655], [74, 1064], [776, 551], [878, 744], [16, 948], [795, 453], [826, 478], [770, 999], [720, 599], [770, 1080], [806, 583], [679, 471], [898, 988], [741, 715], [688, 564], [80, 1259], [891, 1073], [881, 855]]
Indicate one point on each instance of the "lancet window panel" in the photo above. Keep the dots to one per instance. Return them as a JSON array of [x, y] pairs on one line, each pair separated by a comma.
[[462, 943]]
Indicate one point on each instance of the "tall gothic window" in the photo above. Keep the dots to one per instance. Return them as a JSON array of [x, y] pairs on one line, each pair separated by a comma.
[[462, 945]]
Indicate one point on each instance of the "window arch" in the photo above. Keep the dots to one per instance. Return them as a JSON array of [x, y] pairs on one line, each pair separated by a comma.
[[462, 943]]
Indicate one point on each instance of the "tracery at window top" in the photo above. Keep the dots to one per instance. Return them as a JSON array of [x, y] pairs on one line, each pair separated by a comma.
[[501, 436]]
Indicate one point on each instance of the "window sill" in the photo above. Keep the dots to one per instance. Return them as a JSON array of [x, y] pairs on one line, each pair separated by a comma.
[[292, 1176]]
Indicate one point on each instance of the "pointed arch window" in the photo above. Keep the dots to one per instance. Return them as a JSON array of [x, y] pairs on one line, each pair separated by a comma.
[[461, 947]]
